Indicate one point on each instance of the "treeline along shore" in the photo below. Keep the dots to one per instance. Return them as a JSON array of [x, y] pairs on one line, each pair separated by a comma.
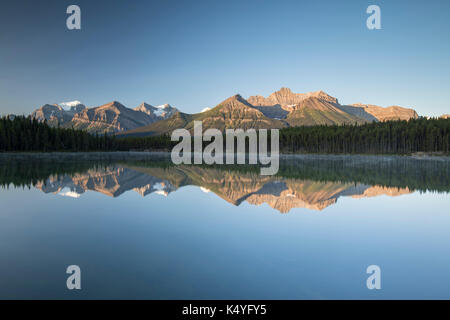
[[24, 134]]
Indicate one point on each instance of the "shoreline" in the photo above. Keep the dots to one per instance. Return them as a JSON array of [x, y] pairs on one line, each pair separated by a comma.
[[136, 155]]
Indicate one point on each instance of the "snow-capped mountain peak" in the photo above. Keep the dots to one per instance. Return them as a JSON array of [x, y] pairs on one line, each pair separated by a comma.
[[70, 104], [165, 110]]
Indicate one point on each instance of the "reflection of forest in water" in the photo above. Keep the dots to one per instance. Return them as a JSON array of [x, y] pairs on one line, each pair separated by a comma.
[[313, 182]]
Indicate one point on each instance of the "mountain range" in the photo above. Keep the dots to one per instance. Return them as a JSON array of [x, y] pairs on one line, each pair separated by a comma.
[[109, 118], [282, 108]]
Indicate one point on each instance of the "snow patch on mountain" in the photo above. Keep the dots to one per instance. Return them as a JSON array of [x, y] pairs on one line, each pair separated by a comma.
[[69, 104]]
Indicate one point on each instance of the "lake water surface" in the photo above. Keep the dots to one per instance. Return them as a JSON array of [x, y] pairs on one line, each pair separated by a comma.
[[142, 228]]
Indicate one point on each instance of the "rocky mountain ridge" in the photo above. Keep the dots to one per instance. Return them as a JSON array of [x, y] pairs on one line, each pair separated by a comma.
[[111, 117], [282, 108]]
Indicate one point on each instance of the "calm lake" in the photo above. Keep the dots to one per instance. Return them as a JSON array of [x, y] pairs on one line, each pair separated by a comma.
[[142, 228]]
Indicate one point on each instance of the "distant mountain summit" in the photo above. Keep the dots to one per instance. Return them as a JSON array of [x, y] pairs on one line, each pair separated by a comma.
[[50, 112], [236, 112], [72, 107], [285, 97], [165, 111], [58, 114], [157, 113], [388, 113], [146, 108], [111, 117]]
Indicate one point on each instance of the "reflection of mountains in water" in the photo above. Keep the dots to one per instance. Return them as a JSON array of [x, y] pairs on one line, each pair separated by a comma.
[[306, 181], [111, 181], [280, 193]]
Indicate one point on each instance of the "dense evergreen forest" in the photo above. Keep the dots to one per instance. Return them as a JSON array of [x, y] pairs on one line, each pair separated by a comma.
[[416, 135], [26, 134]]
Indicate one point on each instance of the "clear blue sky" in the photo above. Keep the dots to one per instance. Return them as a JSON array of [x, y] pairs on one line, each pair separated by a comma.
[[193, 54]]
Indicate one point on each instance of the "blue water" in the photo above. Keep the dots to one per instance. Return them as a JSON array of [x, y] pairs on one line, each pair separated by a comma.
[[190, 243]]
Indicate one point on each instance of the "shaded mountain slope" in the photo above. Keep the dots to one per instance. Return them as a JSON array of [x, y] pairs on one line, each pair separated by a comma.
[[109, 118], [313, 111]]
